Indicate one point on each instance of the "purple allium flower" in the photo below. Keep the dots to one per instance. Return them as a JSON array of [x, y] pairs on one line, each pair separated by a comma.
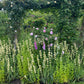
[[35, 45], [51, 32], [44, 30], [37, 28], [55, 38], [62, 52], [31, 33], [51, 44], [43, 46], [36, 36]]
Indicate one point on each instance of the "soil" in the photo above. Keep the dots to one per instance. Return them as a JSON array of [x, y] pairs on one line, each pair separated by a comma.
[[17, 81]]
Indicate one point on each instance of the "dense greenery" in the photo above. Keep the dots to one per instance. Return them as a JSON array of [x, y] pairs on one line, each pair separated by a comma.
[[41, 41], [3, 25], [66, 8], [35, 66]]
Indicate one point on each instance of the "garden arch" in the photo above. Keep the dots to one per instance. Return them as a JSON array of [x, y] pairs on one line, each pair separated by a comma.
[[67, 8]]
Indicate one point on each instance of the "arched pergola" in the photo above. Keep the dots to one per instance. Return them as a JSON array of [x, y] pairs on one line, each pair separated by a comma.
[[69, 9]]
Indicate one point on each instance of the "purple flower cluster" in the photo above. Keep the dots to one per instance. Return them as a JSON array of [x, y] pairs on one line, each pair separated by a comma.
[[46, 38], [35, 45], [43, 46]]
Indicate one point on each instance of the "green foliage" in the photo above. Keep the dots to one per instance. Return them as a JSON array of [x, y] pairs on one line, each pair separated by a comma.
[[67, 31], [61, 67], [58, 63], [1, 5], [66, 28], [3, 25], [42, 21], [37, 19], [65, 73], [24, 63], [16, 10], [2, 75], [8, 54]]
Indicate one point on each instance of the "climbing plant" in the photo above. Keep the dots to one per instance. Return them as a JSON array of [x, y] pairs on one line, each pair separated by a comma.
[[68, 10]]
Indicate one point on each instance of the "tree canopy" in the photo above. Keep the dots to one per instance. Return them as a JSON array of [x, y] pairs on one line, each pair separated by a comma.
[[66, 8]]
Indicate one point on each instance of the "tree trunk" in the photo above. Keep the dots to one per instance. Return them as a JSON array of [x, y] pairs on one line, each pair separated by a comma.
[[82, 31]]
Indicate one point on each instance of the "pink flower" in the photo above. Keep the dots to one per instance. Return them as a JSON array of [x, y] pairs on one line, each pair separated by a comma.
[[51, 44], [46, 38], [36, 36], [35, 45], [62, 52], [37, 28], [44, 30], [55, 38], [43, 46], [51, 32], [31, 33], [44, 27]]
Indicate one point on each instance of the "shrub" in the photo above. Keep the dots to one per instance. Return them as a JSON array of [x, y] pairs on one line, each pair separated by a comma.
[[37, 19], [3, 25]]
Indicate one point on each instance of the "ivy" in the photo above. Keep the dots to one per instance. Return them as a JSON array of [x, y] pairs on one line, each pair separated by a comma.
[[68, 9]]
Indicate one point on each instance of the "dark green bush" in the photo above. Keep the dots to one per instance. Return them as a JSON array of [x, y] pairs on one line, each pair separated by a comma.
[[3, 25]]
